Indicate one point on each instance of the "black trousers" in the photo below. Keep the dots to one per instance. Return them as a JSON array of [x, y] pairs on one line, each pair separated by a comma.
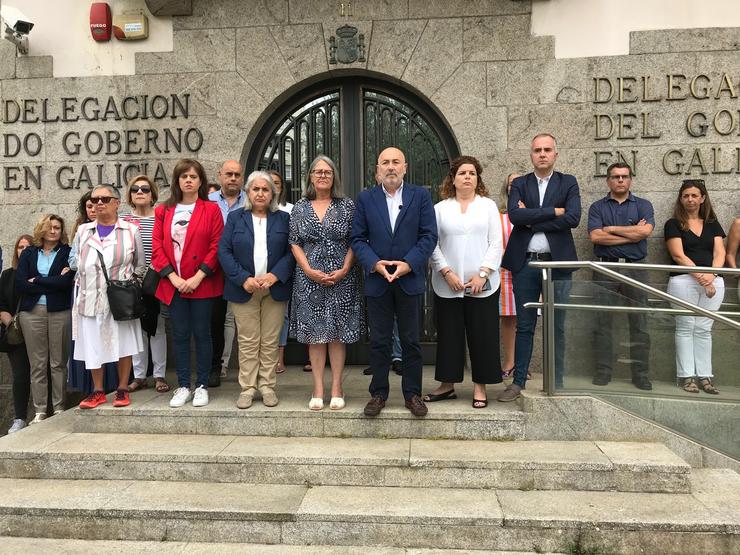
[[614, 293], [476, 319], [218, 319], [381, 311], [21, 369]]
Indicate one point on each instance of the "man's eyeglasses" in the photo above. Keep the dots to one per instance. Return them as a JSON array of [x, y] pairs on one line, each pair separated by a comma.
[[620, 177], [136, 189], [101, 200], [322, 173]]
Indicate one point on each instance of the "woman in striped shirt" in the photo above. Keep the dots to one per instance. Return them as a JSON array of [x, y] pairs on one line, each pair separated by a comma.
[[507, 308], [142, 195]]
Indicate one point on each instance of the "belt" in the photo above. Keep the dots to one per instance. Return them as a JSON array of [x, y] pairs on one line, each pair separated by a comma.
[[545, 256], [622, 260]]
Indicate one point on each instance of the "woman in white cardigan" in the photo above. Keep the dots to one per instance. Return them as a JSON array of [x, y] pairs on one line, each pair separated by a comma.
[[466, 282]]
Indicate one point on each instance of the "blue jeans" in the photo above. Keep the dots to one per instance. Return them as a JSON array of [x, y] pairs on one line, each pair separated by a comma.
[[191, 317], [396, 351], [527, 289]]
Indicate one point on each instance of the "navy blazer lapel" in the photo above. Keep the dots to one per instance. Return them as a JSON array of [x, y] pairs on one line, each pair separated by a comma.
[[551, 190], [406, 200], [247, 215], [532, 192], [378, 195], [271, 219]]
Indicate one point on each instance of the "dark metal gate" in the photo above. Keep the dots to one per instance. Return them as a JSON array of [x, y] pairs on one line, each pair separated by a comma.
[[351, 120]]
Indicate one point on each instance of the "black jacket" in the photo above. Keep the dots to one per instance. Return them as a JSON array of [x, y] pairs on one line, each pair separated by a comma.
[[8, 295], [56, 287]]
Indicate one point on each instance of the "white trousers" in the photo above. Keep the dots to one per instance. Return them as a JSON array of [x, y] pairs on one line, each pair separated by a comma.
[[694, 333], [229, 332], [158, 343]]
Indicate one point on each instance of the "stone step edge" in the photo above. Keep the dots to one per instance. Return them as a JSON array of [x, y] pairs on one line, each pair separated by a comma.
[[411, 461], [133, 547]]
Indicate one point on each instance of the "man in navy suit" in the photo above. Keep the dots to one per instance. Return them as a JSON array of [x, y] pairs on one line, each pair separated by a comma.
[[543, 206], [393, 235]]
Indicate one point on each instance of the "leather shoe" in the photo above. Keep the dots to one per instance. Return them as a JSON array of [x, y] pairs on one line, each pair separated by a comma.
[[396, 367], [368, 371], [214, 379], [601, 380], [416, 406], [511, 393], [642, 383], [374, 406]]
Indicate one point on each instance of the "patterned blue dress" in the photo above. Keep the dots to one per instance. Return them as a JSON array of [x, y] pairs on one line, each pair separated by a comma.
[[321, 314]]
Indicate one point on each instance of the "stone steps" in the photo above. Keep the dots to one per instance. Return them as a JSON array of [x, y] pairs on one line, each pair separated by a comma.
[[73, 547], [434, 518], [526, 465], [150, 413]]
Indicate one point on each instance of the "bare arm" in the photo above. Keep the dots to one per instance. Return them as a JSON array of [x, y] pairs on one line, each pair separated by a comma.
[[733, 242], [601, 237], [634, 233]]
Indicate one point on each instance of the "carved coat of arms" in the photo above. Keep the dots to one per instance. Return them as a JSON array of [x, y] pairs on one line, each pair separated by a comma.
[[347, 46]]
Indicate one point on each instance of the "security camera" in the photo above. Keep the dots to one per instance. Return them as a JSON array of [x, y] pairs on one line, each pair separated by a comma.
[[17, 27]]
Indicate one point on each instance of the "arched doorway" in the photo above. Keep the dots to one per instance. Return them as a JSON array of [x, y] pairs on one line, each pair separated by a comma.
[[351, 119]]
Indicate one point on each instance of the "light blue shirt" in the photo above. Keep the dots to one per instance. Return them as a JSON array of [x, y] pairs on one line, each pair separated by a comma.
[[539, 242], [223, 204], [43, 265], [395, 203]]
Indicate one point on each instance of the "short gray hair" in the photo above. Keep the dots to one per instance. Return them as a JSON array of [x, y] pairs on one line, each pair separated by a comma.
[[108, 187], [254, 176], [336, 184]]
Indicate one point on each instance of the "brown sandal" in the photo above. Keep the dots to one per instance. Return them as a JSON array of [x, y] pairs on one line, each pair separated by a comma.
[[161, 385], [138, 383], [688, 384], [706, 386]]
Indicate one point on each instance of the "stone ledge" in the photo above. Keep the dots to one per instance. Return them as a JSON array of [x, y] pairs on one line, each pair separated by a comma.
[[29, 67], [684, 40]]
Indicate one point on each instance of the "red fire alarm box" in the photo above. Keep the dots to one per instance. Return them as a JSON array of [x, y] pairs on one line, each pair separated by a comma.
[[100, 21]]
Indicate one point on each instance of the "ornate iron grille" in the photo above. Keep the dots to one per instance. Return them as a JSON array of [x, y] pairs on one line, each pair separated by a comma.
[[351, 120], [311, 129]]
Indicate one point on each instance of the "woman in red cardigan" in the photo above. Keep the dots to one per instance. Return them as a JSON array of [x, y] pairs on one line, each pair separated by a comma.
[[187, 228]]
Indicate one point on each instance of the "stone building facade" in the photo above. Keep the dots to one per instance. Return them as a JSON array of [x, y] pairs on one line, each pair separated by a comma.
[[671, 107]]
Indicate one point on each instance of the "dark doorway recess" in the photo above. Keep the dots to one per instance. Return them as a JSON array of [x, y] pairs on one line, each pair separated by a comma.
[[351, 119]]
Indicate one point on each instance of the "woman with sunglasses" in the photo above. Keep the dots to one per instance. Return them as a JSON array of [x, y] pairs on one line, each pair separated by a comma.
[[141, 196], [187, 229], [44, 281], [17, 354], [695, 238], [99, 338]]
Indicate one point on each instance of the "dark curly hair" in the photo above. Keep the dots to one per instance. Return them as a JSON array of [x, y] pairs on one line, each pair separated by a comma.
[[447, 189]]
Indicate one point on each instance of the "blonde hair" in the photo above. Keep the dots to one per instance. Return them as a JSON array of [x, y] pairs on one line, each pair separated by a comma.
[[43, 225]]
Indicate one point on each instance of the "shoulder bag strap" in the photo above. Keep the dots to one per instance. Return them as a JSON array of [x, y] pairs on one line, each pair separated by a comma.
[[102, 265]]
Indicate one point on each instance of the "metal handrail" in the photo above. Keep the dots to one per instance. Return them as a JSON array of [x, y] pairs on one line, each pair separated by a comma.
[[599, 267], [548, 297]]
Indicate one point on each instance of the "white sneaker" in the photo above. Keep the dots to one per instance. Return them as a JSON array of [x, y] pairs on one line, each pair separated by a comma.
[[181, 396], [38, 418], [200, 397], [18, 424]]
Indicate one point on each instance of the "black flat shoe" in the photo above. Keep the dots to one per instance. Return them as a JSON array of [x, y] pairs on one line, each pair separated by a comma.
[[480, 403], [432, 397]]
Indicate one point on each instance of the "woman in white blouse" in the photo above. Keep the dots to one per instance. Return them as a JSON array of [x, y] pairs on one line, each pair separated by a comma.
[[466, 282]]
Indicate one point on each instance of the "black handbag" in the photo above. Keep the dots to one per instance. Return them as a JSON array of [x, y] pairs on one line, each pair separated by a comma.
[[11, 335], [150, 282], [124, 297]]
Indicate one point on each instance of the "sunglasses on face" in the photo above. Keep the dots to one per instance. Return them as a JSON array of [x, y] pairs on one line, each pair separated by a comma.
[[136, 189], [101, 200]]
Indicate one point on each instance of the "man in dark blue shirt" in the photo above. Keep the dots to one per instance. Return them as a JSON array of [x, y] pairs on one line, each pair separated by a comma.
[[618, 226]]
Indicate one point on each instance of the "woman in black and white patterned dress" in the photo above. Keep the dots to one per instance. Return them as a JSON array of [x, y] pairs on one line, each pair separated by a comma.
[[327, 310]]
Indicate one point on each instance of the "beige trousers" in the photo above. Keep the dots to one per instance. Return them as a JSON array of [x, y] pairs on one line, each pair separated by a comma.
[[47, 336], [258, 324]]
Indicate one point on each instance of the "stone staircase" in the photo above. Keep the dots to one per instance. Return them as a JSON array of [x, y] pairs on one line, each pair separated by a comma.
[[279, 480]]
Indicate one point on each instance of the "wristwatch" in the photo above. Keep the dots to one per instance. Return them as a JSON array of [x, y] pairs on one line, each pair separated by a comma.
[[483, 274]]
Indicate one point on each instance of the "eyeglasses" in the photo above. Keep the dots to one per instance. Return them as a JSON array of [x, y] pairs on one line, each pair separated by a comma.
[[136, 189], [322, 173], [101, 200], [620, 177]]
